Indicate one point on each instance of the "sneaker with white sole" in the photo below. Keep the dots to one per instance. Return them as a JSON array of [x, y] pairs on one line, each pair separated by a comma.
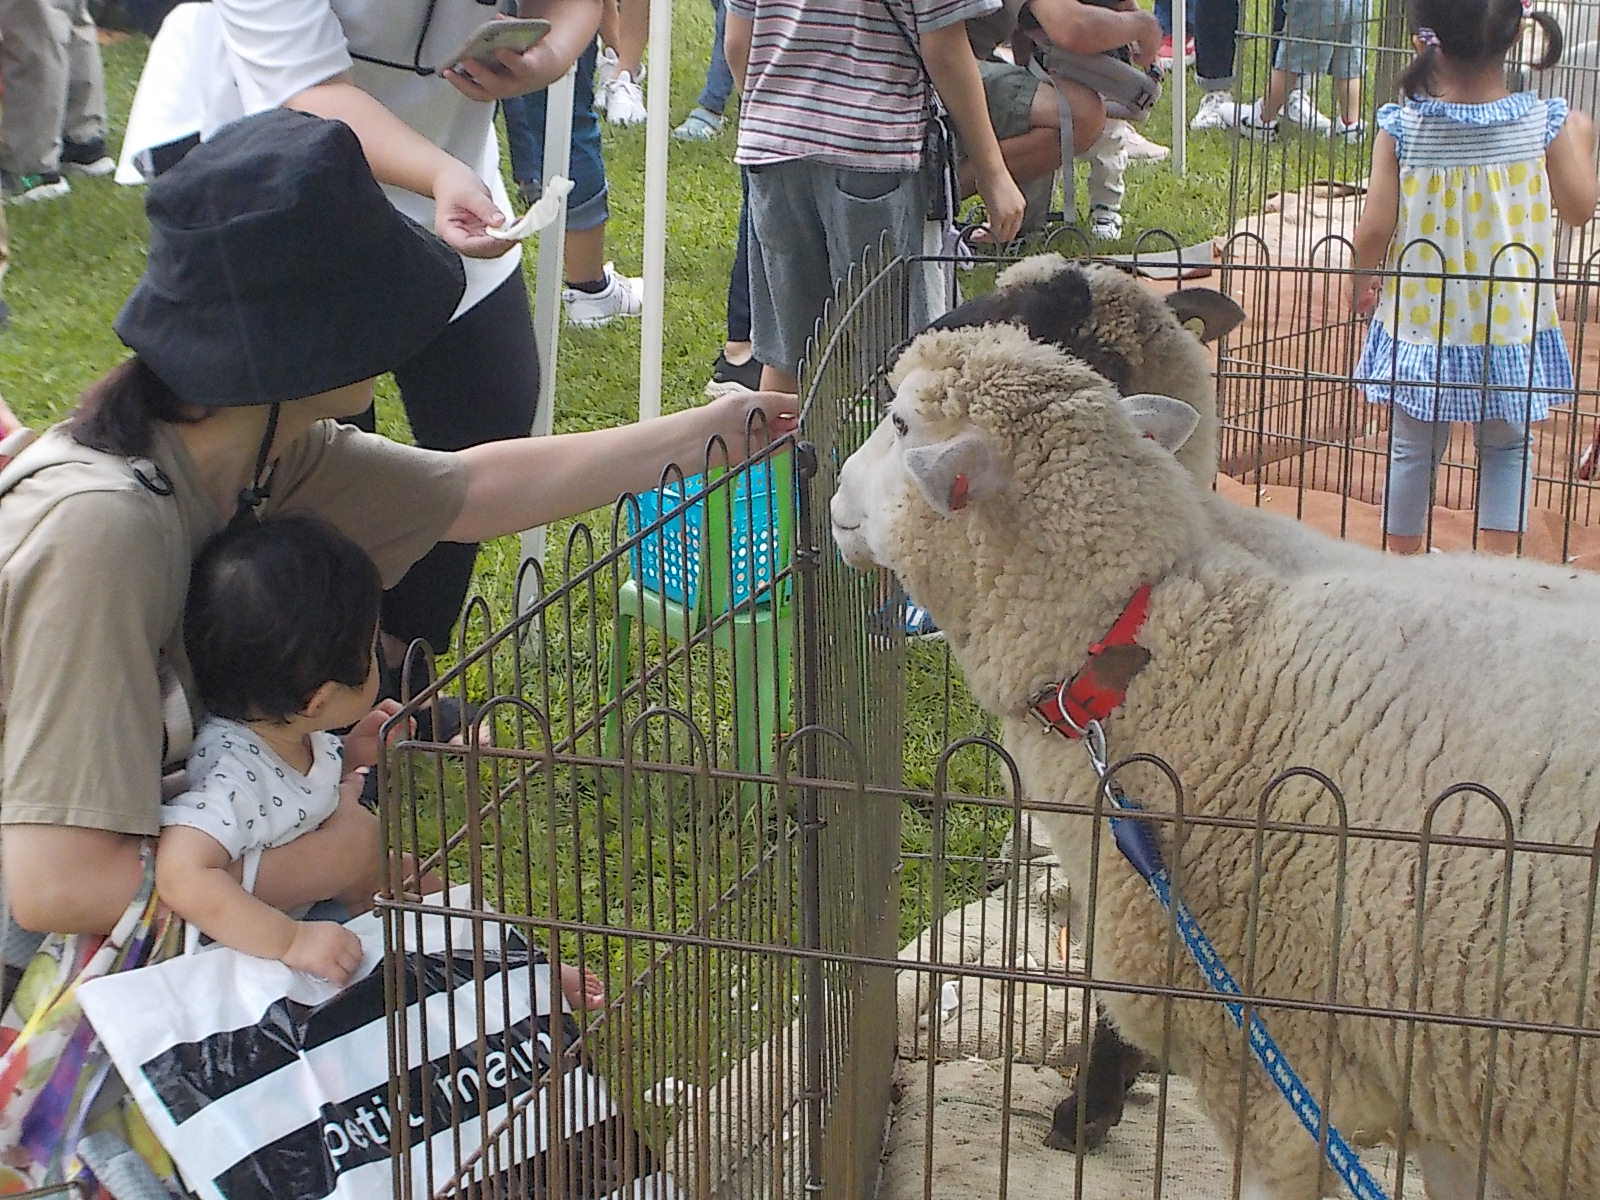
[[1301, 111], [1217, 110], [87, 158], [26, 189], [729, 377], [1105, 223], [1142, 149], [605, 70], [625, 101], [1251, 124], [1350, 131], [623, 296]]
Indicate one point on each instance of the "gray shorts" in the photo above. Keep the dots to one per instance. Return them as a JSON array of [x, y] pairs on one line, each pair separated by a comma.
[[809, 224], [1324, 37]]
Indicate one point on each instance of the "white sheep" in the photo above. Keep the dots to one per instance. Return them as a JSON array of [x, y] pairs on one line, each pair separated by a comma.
[[1023, 501]]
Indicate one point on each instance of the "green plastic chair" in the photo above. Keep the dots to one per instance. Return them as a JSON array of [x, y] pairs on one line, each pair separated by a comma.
[[759, 633]]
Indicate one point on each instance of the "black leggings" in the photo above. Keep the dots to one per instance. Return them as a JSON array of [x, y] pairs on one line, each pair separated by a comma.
[[478, 381]]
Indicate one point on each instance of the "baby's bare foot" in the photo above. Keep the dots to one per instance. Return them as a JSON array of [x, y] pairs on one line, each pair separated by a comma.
[[582, 988]]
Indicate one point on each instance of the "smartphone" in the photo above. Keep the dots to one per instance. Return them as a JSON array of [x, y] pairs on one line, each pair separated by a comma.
[[511, 33]]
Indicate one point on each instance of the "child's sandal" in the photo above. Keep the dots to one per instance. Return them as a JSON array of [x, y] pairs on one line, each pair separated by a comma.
[[701, 125]]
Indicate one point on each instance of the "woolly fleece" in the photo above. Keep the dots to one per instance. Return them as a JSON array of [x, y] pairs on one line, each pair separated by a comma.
[[1273, 647]]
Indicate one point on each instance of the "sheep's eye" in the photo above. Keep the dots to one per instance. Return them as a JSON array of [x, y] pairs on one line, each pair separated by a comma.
[[899, 423]]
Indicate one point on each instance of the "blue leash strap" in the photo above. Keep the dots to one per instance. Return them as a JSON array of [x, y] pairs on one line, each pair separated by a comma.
[[1137, 841]]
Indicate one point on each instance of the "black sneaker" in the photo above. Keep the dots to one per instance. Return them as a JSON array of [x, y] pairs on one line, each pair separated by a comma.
[[25, 189], [87, 158], [727, 377]]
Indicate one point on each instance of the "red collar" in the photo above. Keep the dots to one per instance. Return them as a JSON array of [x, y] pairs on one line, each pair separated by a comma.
[[1100, 687]]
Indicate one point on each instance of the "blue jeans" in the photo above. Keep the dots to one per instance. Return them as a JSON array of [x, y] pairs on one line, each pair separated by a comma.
[[524, 117], [1164, 16], [719, 79], [1505, 473], [1216, 30]]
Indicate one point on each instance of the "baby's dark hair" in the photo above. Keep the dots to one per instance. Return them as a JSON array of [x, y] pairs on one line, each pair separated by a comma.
[[1472, 32], [276, 609]]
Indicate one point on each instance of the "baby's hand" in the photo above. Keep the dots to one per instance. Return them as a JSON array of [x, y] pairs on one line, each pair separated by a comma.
[[324, 949], [361, 743]]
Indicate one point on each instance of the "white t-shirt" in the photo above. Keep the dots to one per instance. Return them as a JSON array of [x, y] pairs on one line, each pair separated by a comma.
[[247, 798], [252, 55]]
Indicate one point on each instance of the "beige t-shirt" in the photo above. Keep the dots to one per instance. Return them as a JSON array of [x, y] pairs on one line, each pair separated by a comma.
[[94, 568]]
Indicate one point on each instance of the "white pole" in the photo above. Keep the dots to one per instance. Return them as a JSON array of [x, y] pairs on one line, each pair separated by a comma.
[[1178, 81], [659, 107], [548, 283]]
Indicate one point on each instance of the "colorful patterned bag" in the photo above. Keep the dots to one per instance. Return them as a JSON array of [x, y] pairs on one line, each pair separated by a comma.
[[57, 1086]]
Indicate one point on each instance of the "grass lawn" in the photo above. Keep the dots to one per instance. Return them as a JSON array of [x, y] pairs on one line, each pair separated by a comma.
[[75, 260]]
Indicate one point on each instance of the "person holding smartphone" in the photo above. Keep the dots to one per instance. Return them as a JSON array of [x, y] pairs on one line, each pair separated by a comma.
[[387, 69]]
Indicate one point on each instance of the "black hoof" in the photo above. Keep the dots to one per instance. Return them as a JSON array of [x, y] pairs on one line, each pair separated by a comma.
[[1068, 1135]]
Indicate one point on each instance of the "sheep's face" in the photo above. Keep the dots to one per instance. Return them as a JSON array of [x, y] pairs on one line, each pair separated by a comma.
[[885, 480], [977, 412]]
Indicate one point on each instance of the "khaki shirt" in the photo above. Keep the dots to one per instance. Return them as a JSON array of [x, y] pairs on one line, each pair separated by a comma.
[[94, 570]]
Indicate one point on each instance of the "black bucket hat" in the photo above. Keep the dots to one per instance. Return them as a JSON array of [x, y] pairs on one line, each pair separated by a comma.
[[278, 268]]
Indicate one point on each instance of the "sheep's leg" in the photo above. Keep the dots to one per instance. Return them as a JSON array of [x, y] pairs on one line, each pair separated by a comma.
[[1450, 1174], [1108, 1071]]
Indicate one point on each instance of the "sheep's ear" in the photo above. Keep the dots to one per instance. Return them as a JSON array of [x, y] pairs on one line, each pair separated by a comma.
[[1205, 312], [951, 475], [1162, 419]]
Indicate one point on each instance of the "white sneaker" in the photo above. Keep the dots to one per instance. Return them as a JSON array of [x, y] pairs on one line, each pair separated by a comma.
[[623, 296], [1352, 131], [1217, 110], [1251, 124], [1300, 110], [624, 101], [1105, 224], [605, 72], [1141, 148]]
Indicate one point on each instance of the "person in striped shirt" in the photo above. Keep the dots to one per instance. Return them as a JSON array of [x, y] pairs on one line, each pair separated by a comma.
[[833, 109]]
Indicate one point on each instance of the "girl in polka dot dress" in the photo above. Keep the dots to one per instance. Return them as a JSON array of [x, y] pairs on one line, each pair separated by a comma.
[[279, 626], [1467, 182]]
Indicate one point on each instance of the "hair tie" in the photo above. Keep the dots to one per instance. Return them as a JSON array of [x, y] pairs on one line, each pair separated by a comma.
[[1427, 36], [1527, 8]]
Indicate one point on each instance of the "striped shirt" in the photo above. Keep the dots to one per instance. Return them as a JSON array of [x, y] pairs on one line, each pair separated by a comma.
[[834, 80]]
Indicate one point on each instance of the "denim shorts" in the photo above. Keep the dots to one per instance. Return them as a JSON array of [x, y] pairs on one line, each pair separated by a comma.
[[1324, 37]]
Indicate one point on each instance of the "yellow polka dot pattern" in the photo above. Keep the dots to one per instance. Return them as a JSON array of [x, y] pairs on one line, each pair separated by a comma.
[[1470, 278]]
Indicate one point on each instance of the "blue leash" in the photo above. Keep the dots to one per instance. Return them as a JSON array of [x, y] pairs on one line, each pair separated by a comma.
[[1137, 841]]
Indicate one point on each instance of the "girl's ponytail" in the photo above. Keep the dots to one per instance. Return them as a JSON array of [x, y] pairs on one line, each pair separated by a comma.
[[1417, 78], [1554, 40]]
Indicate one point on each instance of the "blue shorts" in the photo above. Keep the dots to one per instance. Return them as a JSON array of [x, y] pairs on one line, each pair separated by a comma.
[[1324, 37]]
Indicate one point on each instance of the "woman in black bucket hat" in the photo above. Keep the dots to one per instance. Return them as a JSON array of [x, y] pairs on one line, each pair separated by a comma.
[[280, 281], [383, 67]]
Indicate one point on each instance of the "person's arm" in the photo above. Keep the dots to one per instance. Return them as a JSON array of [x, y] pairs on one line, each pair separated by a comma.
[[948, 54], [572, 27], [1089, 29], [193, 879], [1380, 214], [342, 859], [1569, 162], [401, 156], [519, 483], [737, 31]]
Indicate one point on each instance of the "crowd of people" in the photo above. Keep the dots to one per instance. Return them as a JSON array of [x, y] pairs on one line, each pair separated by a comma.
[[290, 262]]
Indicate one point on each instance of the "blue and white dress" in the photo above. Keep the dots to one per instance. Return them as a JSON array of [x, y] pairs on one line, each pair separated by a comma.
[[1467, 330]]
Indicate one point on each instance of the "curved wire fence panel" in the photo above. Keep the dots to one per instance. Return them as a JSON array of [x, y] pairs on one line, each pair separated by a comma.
[[846, 951]]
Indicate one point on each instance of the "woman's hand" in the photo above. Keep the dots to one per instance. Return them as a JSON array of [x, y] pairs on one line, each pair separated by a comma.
[[768, 415], [462, 209], [510, 74]]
